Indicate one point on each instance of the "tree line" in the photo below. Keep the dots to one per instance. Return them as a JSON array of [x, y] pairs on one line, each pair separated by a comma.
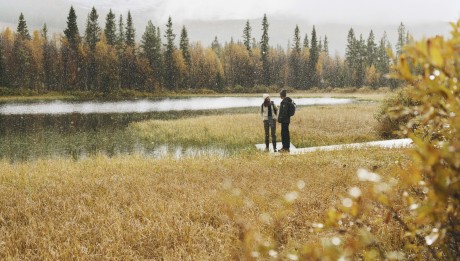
[[108, 59]]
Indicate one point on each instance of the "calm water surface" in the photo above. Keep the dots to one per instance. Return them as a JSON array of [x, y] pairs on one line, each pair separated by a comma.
[[59, 129]]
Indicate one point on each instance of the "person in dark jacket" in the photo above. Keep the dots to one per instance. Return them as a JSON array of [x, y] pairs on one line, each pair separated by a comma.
[[284, 117]]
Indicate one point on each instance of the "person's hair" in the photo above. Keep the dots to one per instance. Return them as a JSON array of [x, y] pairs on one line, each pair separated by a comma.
[[267, 102], [283, 93]]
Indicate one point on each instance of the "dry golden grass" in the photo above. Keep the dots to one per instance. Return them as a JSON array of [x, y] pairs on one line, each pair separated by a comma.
[[310, 126], [191, 209]]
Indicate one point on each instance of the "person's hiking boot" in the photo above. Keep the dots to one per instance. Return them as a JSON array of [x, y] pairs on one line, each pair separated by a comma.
[[283, 150], [267, 149]]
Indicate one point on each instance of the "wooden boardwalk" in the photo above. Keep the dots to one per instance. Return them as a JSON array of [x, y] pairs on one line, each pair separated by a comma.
[[398, 143]]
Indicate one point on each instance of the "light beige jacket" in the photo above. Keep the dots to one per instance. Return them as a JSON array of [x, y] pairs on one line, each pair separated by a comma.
[[264, 111]]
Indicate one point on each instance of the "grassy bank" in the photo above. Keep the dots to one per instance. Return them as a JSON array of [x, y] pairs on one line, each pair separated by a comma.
[[311, 126], [193, 209]]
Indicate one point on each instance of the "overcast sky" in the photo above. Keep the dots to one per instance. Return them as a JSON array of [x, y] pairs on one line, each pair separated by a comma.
[[331, 17], [314, 11], [347, 11]]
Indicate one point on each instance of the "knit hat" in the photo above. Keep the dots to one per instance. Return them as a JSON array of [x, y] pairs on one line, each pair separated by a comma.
[[265, 95]]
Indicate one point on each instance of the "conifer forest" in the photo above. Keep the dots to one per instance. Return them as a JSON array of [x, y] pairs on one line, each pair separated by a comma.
[[106, 59]]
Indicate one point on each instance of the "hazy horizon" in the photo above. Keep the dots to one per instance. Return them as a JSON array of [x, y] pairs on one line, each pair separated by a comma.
[[206, 19]]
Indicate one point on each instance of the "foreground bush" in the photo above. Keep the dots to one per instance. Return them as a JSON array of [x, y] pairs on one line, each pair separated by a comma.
[[390, 123]]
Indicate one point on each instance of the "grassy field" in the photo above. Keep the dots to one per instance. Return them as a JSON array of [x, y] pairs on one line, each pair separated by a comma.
[[205, 208], [311, 126], [190, 209]]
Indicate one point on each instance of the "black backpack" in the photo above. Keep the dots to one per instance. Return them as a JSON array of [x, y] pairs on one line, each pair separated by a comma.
[[291, 109]]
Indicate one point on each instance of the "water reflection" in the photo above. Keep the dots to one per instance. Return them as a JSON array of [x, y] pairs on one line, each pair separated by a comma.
[[79, 130], [143, 106], [27, 137]]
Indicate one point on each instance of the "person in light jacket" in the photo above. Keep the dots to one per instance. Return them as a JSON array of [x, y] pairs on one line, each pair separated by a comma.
[[269, 114]]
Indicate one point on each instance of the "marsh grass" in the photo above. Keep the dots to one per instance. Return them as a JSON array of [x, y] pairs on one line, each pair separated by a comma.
[[191, 209], [310, 126]]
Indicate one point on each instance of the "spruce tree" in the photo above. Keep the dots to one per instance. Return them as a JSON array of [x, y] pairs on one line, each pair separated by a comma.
[[71, 32], [110, 28], [401, 39], [295, 61], [44, 33], [264, 49], [184, 46], [216, 47], [326, 46], [313, 60], [320, 45], [169, 56], [371, 50], [350, 51], [247, 36], [47, 58], [92, 30], [151, 49], [121, 34], [3, 79], [185, 50], [22, 30], [130, 32], [361, 61], [306, 43], [382, 62]]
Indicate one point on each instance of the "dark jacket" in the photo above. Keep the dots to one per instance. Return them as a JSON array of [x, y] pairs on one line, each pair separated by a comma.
[[285, 111]]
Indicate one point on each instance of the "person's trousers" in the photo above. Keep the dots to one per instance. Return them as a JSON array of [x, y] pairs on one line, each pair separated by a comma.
[[285, 138], [267, 128]]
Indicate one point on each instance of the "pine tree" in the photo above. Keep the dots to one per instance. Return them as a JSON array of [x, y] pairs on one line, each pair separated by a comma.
[[130, 31], [326, 46], [184, 46], [295, 61], [382, 64], [216, 47], [46, 57], [350, 51], [92, 30], [151, 50], [361, 61], [320, 45], [371, 50], [247, 36], [44, 33], [264, 49], [3, 79], [71, 32], [401, 39], [110, 28], [306, 43], [22, 30], [169, 56], [312, 74], [121, 33]]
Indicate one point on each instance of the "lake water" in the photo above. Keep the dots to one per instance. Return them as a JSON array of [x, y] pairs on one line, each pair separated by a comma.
[[143, 106], [56, 129]]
